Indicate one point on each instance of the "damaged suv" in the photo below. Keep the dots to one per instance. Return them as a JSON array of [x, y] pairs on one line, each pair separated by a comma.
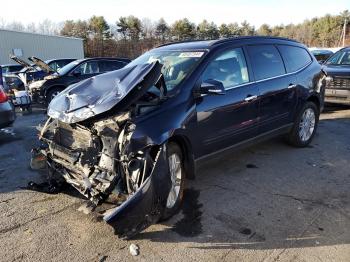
[[130, 137]]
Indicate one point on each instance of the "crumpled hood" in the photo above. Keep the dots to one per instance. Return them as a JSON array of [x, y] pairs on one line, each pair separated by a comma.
[[41, 64], [20, 61], [101, 93]]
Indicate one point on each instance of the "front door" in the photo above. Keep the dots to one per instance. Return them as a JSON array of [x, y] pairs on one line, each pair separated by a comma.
[[224, 120], [86, 70]]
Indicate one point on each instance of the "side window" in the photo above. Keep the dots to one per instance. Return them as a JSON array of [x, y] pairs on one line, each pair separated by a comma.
[[230, 68], [61, 63], [106, 66], [53, 65], [15, 68], [294, 57], [88, 68], [266, 61], [334, 58]]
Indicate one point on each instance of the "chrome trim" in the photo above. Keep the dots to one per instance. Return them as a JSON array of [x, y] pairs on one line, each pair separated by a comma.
[[292, 86], [270, 78], [288, 74], [240, 85], [250, 98]]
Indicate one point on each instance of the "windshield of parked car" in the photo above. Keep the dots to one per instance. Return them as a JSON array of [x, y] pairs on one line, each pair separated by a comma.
[[341, 57], [176, 64], [67, 68]]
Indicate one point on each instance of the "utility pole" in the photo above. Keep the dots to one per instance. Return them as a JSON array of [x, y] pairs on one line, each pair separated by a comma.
[[344, 31]]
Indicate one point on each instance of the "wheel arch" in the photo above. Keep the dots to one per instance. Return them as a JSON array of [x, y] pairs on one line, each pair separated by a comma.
[[47, 90], [187, 152], [315, 99]]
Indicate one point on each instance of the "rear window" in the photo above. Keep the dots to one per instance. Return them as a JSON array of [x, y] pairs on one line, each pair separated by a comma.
[[294, 57], [266, 61]]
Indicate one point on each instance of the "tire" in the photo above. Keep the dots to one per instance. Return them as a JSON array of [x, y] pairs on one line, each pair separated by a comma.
[[172, 207], [297, 136], [52, 93]]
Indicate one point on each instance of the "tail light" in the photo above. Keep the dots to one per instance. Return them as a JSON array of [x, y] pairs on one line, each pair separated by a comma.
[[3, 96]]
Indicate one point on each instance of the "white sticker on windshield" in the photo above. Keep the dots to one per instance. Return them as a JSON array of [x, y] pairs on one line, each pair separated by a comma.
[[191, 54]]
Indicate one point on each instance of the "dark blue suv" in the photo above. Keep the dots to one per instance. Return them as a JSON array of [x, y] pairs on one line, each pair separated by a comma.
[[133, 135]]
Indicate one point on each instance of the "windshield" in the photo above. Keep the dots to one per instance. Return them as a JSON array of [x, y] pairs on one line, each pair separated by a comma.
[[67, 68], [176, 64], [340, 58]]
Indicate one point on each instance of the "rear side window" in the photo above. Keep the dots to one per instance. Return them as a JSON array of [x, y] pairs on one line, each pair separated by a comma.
[[106, 66], [294, 57], [266, 61]]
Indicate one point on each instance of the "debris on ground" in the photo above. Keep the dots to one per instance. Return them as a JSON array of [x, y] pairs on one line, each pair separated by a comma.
[[134, 250]]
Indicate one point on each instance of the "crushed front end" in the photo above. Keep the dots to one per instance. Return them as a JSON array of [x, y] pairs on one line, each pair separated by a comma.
[[101, 159]]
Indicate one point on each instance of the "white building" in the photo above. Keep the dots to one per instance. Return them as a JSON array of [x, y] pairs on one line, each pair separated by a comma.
[[45, 47]]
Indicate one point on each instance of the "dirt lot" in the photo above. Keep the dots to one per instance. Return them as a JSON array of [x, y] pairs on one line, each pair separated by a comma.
[[269, 202]]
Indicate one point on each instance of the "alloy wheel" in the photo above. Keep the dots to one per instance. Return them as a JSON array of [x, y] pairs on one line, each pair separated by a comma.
[[175, 168], [307, 124]]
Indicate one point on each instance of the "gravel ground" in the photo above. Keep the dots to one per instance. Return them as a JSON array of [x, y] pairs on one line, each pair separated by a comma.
[[270, 202]]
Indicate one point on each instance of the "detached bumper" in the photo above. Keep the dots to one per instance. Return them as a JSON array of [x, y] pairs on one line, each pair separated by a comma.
[[7, 114]]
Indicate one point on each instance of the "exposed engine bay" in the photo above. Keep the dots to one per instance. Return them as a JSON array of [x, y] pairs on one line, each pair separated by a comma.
[[97, 160]]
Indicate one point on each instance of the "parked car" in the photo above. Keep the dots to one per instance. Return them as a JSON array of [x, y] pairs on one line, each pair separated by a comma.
[[133, 135], [7, 111], [10, 68], [45, 90], [35, 71], [322, 54], [337, 68]]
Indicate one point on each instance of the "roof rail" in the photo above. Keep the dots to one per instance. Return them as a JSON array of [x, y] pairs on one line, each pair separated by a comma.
[[213, 42], [229, 39], [181, 42]]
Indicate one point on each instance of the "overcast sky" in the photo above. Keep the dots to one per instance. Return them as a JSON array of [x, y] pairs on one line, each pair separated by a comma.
[[220, 11]]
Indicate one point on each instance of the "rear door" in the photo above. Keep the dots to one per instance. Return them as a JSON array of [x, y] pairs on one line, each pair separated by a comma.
[[224, 120], [278, 96]]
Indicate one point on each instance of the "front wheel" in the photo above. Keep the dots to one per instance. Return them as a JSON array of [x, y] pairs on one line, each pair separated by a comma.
[[305, 126], [52, 93], [177, 176]]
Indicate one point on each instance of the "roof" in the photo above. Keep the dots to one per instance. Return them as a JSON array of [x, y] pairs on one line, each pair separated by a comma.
[[346, 48], [30, 33], [104, 58], [208, 44]]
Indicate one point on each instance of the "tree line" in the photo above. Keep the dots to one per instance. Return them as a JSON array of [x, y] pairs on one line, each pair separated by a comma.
[[130, 36]]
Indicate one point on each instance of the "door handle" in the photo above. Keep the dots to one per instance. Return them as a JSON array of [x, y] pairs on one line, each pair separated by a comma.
[[292, 86], [250, 98]]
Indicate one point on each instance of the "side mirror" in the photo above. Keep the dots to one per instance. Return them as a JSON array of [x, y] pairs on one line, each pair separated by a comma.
[[212, 87], [321, 62]]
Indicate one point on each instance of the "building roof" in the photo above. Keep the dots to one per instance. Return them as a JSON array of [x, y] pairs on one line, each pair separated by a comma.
[[30, 33]]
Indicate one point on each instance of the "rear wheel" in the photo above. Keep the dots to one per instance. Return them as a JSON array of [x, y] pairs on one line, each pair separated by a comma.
[[52, 93], [305, 126], [177, 176]]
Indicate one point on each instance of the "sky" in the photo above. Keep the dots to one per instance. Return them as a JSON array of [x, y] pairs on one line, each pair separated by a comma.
[[272, 12]]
